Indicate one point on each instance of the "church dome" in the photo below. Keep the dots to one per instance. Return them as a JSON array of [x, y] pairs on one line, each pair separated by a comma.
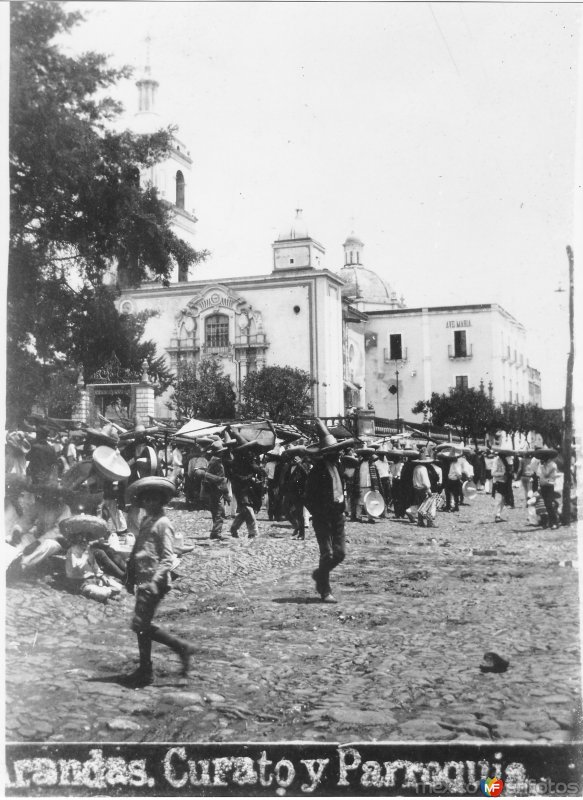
[[364, 284], [297, 230], [352, 240]]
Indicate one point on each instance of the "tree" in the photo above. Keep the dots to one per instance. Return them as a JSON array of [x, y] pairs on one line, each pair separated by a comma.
[[203, 391], [77, 207], [469, 411], [278, 393]]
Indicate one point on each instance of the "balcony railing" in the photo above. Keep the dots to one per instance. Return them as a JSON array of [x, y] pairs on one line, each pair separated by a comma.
[[254, 340], [387, 355], [468, 352], [187, 344], [217, 350]]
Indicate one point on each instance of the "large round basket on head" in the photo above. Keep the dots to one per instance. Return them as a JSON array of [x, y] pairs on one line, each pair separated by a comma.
[[374, 504], [153, 483], [110, 464], [469, 489], [84, 525]]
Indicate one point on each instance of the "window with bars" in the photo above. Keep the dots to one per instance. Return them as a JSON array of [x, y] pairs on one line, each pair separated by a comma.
[[217, 331]]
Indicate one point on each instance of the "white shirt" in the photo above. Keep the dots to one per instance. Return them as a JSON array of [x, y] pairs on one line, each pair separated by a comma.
[[421, 478]]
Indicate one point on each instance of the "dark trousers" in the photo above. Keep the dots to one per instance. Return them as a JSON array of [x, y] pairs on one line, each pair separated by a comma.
[[329, 532], [147, 632], [386, 490], [548, 495], [271, 501], [296, 514], [110, 561], [453, 488], [217, 508]]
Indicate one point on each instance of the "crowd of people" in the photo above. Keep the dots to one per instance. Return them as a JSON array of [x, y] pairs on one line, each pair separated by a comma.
[[94, 500]]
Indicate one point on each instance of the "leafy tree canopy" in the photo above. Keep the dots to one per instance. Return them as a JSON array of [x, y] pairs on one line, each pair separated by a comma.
[[471, 412], [279, 393], [203, 391], [77, 208]]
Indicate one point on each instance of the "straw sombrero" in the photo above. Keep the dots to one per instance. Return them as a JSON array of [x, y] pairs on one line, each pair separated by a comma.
[[101, 437], [545, 452], [291, 452], [110, 464], [164, 485], [365, 451], [84, 525], [327, 443]]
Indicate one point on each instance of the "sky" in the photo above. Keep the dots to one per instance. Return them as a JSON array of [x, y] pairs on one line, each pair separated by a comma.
[[442, 134]]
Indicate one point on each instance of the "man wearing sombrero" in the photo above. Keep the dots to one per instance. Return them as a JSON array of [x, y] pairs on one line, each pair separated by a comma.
[[244, 474], [149, 575], [325, 501]]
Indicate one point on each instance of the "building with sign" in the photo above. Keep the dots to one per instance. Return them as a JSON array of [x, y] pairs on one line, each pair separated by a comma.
[[418, 351]]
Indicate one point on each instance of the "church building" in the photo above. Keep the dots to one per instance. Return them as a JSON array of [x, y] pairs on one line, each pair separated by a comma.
[[348, 329]]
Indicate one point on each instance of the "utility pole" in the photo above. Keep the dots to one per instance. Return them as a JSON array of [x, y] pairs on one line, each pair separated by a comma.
[[397, 384], [568, 433]]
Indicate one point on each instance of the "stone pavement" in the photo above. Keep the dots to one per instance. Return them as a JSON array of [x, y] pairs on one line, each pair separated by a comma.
[[396, 659]]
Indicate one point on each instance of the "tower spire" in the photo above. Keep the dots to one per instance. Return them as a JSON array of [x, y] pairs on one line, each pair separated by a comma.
[[147, 86]]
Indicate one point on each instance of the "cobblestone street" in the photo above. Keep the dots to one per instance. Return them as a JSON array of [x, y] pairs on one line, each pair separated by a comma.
[[397, 658]]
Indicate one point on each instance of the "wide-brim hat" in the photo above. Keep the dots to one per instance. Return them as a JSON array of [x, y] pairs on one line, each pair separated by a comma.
[[327, 443], [18, 441], [152, 483], [469, 489], [85, 525], [545, 452], [291, 452], [365, 451], [110, 464], [504, 452], [99, 437], [425, 460], [412, 454], [374, 503], [347, 458], [216, 447]]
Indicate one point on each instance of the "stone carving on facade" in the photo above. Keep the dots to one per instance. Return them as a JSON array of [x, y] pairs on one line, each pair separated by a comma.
[[245, 341]]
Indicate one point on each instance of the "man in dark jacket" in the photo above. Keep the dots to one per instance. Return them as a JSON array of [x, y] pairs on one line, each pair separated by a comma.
[[324, 499]]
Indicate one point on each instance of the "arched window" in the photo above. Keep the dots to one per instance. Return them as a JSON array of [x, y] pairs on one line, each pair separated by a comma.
[[217, 330], [179, 189]]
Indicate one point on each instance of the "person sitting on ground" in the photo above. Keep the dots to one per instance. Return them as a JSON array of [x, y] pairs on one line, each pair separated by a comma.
[[84, 573], [149, 575], [44, 538]]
